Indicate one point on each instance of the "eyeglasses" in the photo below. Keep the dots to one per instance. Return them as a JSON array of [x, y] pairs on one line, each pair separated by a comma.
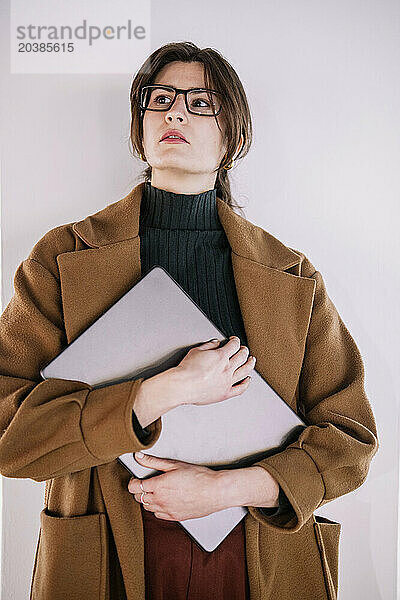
[[199, 101]]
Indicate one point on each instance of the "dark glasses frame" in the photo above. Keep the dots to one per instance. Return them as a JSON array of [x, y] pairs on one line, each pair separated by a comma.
[[177, 91]]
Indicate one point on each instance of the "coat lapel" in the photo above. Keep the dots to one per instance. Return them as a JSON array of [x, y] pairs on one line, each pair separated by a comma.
[[275, 301], [275, 304]]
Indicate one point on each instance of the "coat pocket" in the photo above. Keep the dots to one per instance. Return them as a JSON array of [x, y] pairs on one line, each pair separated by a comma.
[[71, 558], [327, 533]]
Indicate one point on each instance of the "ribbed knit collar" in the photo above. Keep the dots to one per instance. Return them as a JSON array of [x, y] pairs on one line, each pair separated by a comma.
[[168, 210]]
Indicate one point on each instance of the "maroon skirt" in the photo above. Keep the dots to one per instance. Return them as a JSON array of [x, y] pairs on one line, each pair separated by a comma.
[[176, 568]]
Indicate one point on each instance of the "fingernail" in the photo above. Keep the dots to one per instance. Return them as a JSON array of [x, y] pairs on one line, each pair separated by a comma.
[[139, 454]]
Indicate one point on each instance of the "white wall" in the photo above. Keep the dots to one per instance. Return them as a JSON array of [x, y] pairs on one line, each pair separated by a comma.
[[322, 80]]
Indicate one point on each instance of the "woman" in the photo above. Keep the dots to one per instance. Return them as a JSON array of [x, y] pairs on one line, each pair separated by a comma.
[[103, 533]]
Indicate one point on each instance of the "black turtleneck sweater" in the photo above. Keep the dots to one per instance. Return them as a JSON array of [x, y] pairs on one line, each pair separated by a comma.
[[183, 234]]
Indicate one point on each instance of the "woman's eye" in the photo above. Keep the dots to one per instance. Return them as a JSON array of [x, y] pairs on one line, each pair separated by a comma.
[[200, 100], [159, 99]]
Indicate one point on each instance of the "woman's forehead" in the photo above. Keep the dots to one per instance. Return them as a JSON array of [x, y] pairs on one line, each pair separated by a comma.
[[182, 75]]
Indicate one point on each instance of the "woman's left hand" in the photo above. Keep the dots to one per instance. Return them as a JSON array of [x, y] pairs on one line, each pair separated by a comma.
[[184, 491]]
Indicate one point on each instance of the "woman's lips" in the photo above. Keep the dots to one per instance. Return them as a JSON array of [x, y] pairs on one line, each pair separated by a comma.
[[174, 141]]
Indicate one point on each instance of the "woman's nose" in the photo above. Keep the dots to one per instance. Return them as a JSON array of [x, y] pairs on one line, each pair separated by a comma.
[[179, 104]]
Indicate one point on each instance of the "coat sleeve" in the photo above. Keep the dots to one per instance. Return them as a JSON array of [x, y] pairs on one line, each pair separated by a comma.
[[141, 432], [283, 505], [54, 427], [331, 456]]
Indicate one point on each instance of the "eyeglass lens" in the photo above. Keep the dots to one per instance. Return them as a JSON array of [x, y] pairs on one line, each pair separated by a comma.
[[204, 103]]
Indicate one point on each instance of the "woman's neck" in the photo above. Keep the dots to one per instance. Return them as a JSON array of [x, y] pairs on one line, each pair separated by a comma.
[[163, 209], [180, 182]]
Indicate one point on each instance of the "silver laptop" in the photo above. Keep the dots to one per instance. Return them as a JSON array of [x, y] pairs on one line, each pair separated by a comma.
[[150, 329]]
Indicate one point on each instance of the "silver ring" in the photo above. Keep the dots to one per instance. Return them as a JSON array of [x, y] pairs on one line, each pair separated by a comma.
[[142, 494]]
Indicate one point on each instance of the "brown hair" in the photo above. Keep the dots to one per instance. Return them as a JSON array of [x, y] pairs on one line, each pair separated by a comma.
[[220, 76]]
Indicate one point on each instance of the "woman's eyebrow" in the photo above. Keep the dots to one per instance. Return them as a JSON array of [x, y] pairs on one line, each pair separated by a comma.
[[197, 87]]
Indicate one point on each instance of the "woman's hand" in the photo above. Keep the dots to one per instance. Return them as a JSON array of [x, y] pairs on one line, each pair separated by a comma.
[[184, 491], [205, 375], [208, 374]]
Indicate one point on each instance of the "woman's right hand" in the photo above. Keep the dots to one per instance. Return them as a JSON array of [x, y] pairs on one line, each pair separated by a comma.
[[208, 374]]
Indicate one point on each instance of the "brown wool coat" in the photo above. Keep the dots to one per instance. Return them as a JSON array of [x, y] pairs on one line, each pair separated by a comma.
[[69, 434]]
